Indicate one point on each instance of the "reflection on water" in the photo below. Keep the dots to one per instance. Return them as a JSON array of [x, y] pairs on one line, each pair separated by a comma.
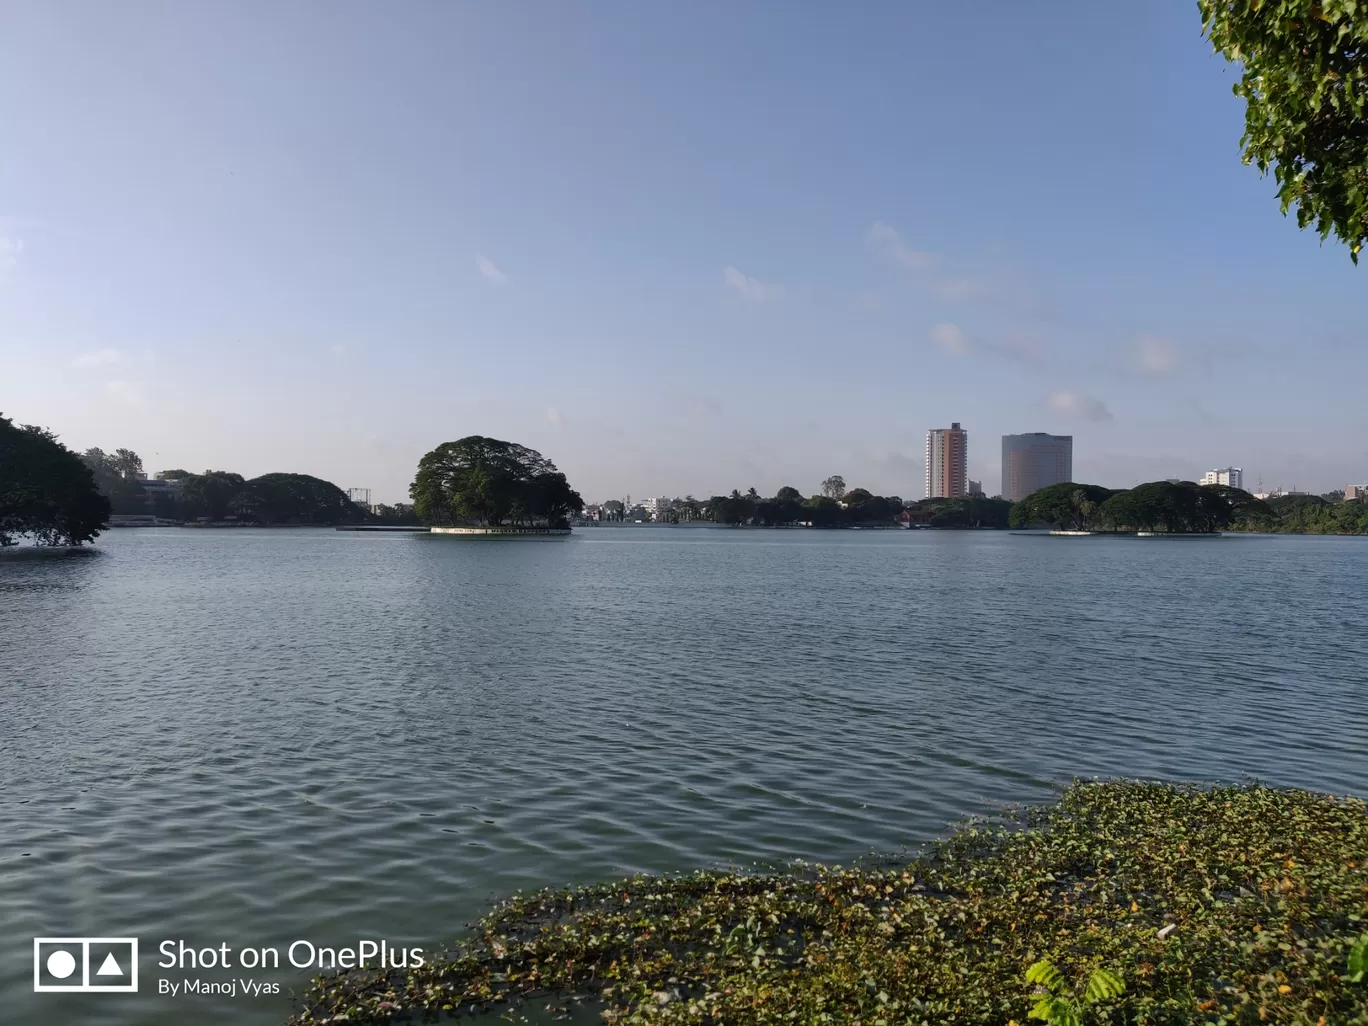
[[250, 737]]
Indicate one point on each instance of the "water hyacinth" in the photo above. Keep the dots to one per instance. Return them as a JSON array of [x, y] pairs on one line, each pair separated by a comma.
[[1233, 904]]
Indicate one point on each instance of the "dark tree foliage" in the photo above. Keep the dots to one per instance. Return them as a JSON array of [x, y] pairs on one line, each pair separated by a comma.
[[491, 482], [398, 515], [211, 495], [1305, 86], [1064, 507], [295, 499], [970, 511], [47, 492], [119, 477], [1180, 508], [1310, 514]]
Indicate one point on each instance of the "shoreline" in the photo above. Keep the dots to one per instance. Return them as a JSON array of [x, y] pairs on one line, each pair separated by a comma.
[[1117, 875]]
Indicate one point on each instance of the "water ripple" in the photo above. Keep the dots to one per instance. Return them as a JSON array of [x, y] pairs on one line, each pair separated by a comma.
[[255, 736]]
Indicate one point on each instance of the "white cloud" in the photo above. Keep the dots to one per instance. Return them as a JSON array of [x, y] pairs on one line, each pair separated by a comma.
[[951, 338], [1071, 404], [130, 393], [489, 269], [750, 288], [1152, 355], [98, 358], [553, 415], [889, 241], [10, 249]]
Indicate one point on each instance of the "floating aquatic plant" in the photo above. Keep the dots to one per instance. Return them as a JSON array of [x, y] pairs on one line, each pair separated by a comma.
[[1239, 904]]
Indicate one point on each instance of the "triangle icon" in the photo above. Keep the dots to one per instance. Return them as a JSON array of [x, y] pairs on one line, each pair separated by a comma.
[[109, 967]]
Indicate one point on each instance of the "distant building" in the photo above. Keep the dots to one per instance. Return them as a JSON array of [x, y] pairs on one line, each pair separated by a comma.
[[1232, 477], [161, 497], [655, 507], [1356, 491], [1033, 461], [947, 457], [975, 487]]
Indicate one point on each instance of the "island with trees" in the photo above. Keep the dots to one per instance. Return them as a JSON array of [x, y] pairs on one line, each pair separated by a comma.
[[1184, 508], [479, 485]]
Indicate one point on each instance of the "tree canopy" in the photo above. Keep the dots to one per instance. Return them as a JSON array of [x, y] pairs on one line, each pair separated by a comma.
[[47, 492], [968, 511], [1064, 507], [834, 486], [1176, 507], [269, 499], [491, 482], [210, 494], [119, 477], [295, 499], [1304, 83]]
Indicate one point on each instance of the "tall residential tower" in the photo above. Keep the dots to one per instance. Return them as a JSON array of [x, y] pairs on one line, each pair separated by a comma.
[[1033, 461], [947, 458]]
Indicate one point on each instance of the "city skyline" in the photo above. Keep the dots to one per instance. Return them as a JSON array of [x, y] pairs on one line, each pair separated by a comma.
[[548, 227]]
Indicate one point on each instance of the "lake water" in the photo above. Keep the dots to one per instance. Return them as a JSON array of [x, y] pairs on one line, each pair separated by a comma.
[[252, 737]]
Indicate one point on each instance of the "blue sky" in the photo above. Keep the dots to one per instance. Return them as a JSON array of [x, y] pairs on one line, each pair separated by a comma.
[[677, 248]]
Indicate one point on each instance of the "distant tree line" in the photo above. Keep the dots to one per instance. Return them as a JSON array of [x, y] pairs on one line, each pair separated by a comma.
[[47, 493], [219, 495], [1183, 507], [1314, 514], [833, 506]]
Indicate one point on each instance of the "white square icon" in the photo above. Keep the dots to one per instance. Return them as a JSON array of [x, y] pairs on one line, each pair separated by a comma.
[[100, 965]]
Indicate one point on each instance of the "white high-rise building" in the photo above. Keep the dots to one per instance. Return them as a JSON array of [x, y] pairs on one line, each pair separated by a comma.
[[1232, 477]]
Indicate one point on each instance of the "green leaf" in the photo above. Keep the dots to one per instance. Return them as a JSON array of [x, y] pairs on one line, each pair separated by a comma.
[[1358, 959], [1044, 974], [1103, 986]]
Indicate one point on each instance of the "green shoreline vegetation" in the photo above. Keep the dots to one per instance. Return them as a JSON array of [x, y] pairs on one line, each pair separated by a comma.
[[1153, 903], [1183, 507]]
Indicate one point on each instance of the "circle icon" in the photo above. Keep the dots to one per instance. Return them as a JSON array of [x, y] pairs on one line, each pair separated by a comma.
[[61, 964]]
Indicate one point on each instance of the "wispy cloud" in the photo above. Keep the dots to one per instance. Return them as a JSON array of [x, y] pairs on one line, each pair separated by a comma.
[[10, 250], [489, 269], [1071, 404], [952, 339], [1151, 355], [553, 416], [98, 358], [955, 341], [889, 241], [749, 288], [130, 393]]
